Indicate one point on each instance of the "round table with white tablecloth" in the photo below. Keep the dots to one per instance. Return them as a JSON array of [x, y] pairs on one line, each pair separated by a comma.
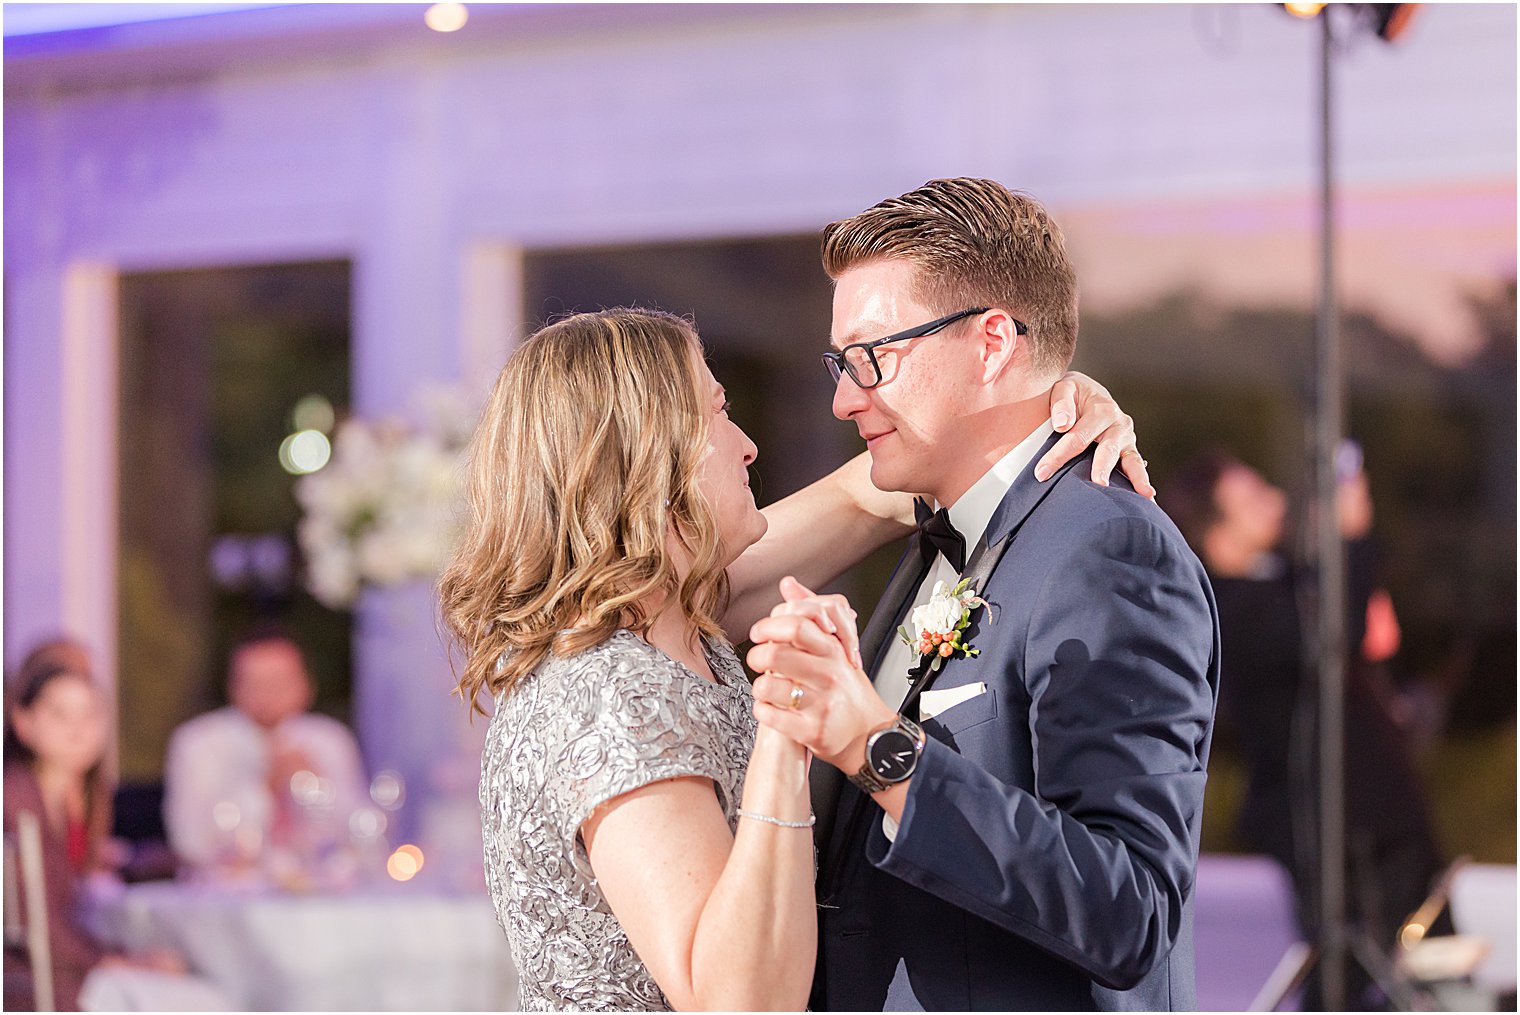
[[390, 947]]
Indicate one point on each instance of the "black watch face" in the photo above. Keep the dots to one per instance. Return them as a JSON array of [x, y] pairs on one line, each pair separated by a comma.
[[893, 756]]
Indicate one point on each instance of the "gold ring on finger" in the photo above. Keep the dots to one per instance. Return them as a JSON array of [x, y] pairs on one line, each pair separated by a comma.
[[794, 701]]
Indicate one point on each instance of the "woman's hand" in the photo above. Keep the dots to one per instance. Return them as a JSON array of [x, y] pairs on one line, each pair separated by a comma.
[[832, 613], [1085, 412]]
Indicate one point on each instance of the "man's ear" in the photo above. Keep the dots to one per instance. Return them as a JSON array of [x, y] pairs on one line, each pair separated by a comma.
[[1002, 347]]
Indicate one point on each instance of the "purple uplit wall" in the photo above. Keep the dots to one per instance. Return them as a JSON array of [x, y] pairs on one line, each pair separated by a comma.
[[1176, 142], [48, 18]]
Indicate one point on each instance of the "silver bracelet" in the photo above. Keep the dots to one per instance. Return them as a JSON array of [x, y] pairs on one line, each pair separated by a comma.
[[809, 823]]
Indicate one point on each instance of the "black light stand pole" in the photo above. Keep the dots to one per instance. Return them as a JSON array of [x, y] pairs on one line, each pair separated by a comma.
[[1331, 569]]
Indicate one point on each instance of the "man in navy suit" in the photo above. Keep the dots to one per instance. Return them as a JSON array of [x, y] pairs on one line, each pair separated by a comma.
[[1026, 741]]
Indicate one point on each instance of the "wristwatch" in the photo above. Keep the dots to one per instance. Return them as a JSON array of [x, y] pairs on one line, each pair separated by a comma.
[[891, 755]]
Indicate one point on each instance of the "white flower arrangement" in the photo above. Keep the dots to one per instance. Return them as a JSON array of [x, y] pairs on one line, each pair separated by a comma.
[[937, 625], [387, 507]]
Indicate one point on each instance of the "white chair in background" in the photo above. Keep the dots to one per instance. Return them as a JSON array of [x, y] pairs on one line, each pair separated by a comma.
[[1473, 968], [1483, 904]]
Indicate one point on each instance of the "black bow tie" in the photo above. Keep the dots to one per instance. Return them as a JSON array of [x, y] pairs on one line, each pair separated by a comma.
[[938, 535]]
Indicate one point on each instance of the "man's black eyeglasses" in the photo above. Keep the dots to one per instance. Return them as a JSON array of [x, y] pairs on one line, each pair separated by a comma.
[[859, 360]]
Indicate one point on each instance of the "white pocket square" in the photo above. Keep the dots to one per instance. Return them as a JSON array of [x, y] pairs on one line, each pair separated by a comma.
[[932, 703]]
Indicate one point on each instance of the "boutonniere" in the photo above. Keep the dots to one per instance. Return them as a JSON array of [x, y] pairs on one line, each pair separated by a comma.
[[937, 625]]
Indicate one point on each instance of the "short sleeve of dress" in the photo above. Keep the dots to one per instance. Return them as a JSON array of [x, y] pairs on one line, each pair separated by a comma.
[[623, 715]]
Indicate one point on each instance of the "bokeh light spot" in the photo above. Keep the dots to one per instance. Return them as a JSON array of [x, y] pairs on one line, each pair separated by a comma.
[[313, 412], [404, 863], [305, 451], [446, 17]]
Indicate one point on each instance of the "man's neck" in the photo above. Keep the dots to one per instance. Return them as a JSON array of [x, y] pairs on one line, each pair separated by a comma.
[[988, 436]]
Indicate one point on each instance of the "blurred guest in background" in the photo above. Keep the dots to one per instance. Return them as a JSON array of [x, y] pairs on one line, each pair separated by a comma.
[[132, 857], [1235, 521], [57, 724], [248, 779], [60, 649]]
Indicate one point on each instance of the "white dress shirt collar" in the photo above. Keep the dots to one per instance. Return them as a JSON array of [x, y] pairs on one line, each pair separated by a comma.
[[973, 511]]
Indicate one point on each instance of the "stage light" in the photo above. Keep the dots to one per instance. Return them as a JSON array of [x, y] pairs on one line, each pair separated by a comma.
[[1339, 941], [446, 17], [1390, 21]]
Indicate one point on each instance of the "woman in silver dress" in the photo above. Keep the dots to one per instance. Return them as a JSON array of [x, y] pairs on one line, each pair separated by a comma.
[[647, 847]]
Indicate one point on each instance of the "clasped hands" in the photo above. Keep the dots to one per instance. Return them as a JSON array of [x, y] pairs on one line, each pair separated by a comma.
[[812, 688]]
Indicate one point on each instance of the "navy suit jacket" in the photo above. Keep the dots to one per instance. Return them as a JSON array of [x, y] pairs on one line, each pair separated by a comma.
[[1047, 850]]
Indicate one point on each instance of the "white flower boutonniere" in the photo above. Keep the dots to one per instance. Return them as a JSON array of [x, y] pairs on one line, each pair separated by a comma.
[[937, 625]]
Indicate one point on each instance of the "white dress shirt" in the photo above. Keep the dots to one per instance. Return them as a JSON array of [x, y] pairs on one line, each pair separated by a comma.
[[222, 758]]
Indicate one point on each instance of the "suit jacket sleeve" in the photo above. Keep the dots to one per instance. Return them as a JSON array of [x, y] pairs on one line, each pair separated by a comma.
[[1095, 865]]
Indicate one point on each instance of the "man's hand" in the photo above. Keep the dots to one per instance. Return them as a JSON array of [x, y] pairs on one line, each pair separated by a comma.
[[1083, 409], [809, 642]]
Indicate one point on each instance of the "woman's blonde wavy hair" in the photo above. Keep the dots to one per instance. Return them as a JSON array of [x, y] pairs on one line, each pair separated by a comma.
[[583, 467]]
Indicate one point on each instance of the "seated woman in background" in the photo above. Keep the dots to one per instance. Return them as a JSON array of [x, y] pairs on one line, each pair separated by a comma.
[[601, 566], [56, 727]]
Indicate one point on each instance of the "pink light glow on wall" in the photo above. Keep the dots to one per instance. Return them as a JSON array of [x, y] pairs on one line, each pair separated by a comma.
[[1408, 255]]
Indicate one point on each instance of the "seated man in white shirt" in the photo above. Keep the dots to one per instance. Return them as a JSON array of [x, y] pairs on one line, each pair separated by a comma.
[[263, 774]]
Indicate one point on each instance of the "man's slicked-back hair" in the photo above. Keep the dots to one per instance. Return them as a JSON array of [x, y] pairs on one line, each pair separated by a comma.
[[975, 243]]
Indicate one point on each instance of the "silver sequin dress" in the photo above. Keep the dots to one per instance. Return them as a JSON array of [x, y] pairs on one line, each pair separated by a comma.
[[573, 734]]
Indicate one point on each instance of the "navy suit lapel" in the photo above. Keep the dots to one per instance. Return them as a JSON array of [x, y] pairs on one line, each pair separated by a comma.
[[1026, 493]]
